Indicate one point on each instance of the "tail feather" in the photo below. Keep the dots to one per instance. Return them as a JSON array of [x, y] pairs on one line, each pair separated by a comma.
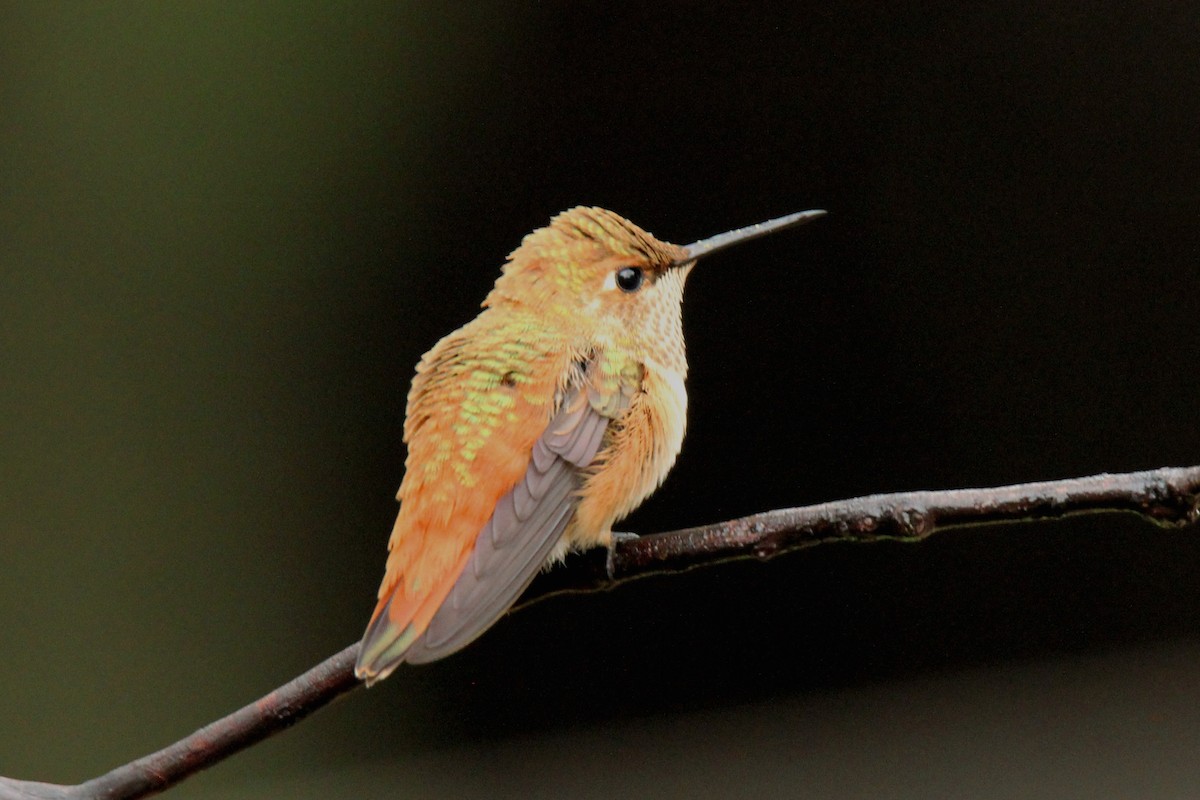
[[383, 645], [397, 623]]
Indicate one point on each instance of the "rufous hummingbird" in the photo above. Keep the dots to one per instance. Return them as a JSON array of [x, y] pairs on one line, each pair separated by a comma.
[[536, 426]]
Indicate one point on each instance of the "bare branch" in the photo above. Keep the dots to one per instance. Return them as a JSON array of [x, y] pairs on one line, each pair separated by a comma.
[[1164, 496], [156, 772]]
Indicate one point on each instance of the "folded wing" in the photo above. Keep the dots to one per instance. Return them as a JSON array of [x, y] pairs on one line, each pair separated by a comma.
[[525, 526]]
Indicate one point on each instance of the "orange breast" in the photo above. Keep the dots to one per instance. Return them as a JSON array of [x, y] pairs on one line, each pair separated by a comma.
[[636, 460]]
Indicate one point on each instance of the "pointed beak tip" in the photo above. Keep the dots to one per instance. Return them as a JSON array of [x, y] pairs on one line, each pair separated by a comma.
[[704, 247], [804, 216]]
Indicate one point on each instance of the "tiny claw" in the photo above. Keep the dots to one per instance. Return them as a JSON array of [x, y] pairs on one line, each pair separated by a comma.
[[610, 566]]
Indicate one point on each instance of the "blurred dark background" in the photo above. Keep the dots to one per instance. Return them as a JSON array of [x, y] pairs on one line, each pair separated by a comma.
[[228, 232]]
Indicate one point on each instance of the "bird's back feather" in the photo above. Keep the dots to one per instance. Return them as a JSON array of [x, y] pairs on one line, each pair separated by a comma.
[[480, 513]]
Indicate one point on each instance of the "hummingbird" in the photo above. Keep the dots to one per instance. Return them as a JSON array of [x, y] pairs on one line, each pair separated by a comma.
[[535, 427]]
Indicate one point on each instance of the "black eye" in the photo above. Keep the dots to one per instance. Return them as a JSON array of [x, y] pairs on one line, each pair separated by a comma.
[[629, 278]]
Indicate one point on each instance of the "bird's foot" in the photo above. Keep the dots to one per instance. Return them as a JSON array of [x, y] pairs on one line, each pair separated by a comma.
[[617, 537]]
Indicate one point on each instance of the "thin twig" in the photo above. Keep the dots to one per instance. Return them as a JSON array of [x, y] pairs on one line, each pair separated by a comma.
[[1165, 496], [159, 771]]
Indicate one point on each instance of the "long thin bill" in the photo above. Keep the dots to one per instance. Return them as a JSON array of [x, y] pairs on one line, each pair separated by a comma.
[[712, 244]]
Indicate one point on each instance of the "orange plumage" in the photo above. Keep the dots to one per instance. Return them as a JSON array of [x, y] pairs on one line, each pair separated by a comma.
[[533, 428]]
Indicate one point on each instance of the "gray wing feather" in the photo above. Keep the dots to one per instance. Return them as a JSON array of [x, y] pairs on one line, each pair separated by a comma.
[[525, 526]]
